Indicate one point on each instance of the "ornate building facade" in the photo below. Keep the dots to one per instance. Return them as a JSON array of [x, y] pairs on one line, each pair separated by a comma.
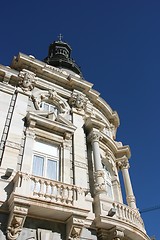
[[59, 158]]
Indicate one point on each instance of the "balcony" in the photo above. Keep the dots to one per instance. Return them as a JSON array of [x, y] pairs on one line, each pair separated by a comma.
[[52, 200], [49, 199]]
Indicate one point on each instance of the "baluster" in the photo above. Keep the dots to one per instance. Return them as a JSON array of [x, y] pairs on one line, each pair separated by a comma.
[[122, 212], [58, 197], [41, 192], [47, 194], [53, 191], [118, 211], [35, 187], [70, 195], [65, 194], [125, 213]]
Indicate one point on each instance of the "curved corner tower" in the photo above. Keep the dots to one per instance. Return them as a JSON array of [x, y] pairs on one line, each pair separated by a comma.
[[59, 156]]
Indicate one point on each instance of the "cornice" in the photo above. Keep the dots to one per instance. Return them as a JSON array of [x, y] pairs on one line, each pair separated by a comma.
[[68, 80], [119, 151], [35, 120]]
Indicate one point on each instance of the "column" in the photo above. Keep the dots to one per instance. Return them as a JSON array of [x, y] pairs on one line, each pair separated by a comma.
[[124, 166], [94, 137]]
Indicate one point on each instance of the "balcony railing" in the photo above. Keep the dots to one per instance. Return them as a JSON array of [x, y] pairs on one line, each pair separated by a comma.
[[48, 190], [44, 190], [127, 214]]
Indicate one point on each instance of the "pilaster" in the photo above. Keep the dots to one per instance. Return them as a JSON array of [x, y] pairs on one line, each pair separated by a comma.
[[77, 102]]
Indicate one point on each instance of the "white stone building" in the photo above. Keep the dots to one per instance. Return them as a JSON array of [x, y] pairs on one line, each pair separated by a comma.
[[59, 158]]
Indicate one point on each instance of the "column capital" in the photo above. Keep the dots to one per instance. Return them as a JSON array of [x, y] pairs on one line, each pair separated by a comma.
[[94, 136], [123, 163]]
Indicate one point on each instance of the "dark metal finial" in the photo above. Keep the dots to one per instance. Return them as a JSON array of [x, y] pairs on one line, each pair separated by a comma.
[[60, 37]]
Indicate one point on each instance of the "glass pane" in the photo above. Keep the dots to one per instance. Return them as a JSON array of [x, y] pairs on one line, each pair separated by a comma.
[[38, 163], [46, 148], [109, 190], [46, 107], [52, 169]]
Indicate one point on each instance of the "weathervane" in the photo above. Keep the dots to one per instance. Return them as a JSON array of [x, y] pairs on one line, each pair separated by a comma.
[[60, 37]]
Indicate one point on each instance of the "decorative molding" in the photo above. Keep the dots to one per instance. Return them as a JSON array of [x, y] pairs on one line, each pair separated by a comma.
[[27, 80], [80, 164], [13, 145]]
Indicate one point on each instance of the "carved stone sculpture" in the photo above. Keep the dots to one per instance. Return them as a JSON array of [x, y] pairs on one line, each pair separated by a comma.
[[27, 80], [78, 101], [14, 229]]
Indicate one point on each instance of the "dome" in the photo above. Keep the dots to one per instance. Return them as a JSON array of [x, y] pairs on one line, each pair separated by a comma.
[[59, 55]]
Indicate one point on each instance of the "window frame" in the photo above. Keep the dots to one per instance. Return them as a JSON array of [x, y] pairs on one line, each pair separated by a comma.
[[47, 157]]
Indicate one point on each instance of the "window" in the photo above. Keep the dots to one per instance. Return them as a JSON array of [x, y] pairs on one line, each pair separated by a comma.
[[108, 183], [48, 108], [46, 160]]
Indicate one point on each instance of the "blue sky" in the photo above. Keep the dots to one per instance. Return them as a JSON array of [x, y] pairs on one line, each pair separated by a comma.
[[117, 45]]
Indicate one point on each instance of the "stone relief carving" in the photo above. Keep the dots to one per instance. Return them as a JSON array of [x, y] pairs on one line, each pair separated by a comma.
[[17, 218], [78, 101], [15, 228], [75, 233], [99, 182], [50, 96], [27, 80]]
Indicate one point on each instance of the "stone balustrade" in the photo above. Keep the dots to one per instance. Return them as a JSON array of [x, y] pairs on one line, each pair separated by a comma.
[[35, 187], [48, 190], [128, 214]]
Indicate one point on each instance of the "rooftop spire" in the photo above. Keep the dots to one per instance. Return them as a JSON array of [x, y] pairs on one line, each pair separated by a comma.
[[59, 55]]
